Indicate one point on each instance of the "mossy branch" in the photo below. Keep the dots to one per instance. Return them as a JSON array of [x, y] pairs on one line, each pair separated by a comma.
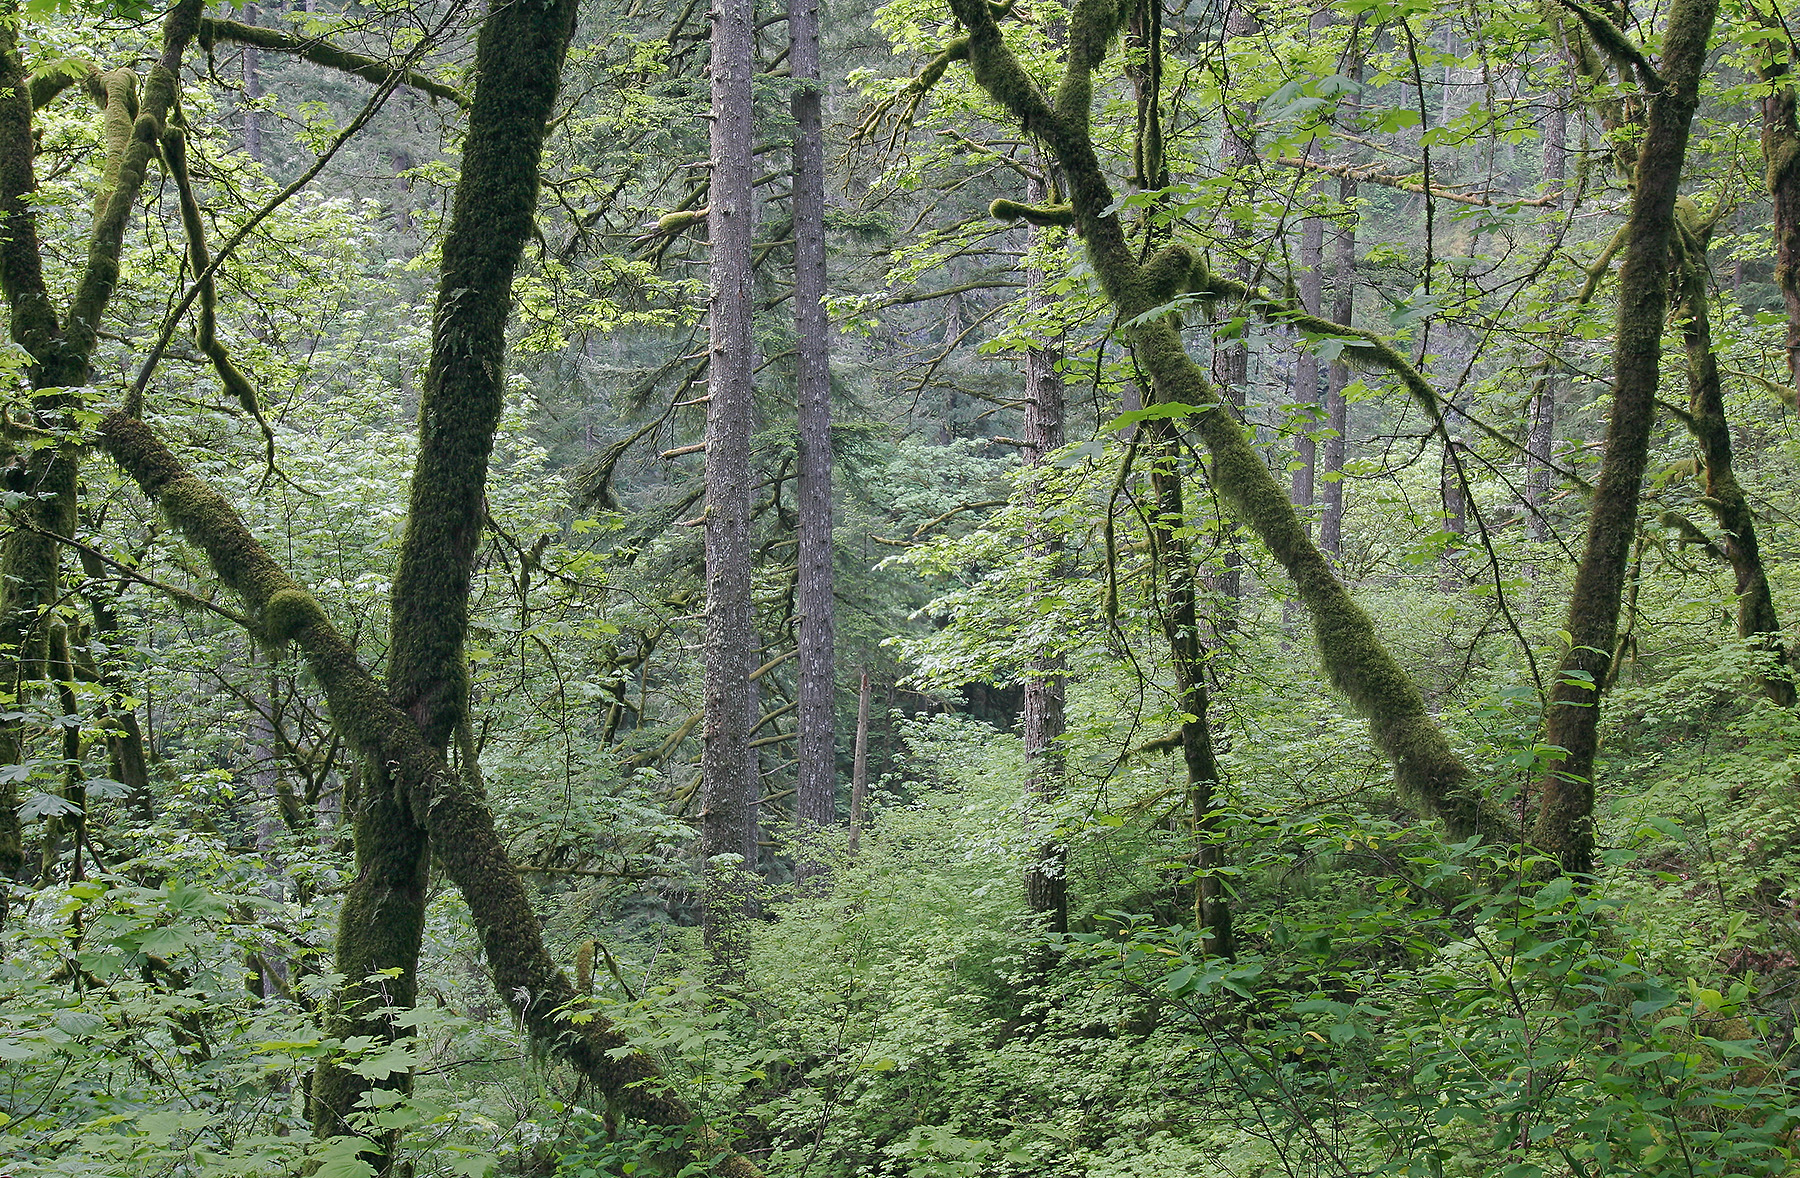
[[324, 53], [450, 805], [1043, 216], [913, 94], [1615, 43], [174, 146], [1368, 175], [48, 81]]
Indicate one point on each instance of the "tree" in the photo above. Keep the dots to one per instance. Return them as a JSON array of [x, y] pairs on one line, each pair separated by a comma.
[[816, 797], [1563, 822], [728, 824]]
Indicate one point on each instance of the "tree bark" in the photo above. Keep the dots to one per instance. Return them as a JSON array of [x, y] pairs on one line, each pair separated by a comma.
[[1563, 825], [816, 797], [727, 767], [1304, 393], [1343, 310], [518, 62], [1046, 879]]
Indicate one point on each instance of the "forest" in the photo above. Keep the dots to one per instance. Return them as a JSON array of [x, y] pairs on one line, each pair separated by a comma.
[[909, 589]]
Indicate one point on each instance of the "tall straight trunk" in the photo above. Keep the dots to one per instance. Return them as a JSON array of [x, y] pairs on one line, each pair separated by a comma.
[[1343, 310], [727, 767], [1231, 359], [1046, 881], [859, 765], [1540, 430], [1757, 621], [252, 92], [816, 797], [1563, 825], [1304, 392], [1781, 156], [519, 58]]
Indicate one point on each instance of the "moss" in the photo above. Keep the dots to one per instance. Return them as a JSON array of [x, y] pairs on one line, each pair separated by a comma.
[[1042, 215], [210, 31]]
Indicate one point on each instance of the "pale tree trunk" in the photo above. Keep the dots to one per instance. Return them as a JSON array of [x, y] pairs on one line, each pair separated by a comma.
[[1540, 434], [1343, 310], [727, 767], [1046, 880], [1564, 822], [252, 91], [1304, 392], [816, 796], [859, 766]]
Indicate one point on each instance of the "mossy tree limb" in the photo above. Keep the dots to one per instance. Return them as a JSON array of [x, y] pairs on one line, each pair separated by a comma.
[[518, 63], [450, 804], [1562, 824], [323, 53], [1428, 773]]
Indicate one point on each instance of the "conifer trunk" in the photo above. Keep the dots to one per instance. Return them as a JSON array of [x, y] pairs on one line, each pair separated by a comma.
[[1563, 825], [816, 797], [1540, 435], [727, 767], [1781, 158]]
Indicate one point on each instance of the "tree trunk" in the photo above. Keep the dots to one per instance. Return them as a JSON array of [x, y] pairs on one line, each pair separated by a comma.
[[1540, 434], [1757, 621], [1781, 156], [859, 766], [727, 768], [1046, 880], [1304, 393], [816, 797], [519, 58], [1564, 821], [252, 92]]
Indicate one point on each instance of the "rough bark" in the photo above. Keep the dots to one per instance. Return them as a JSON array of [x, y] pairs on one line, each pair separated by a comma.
[[727, 768], [253, 91], [816, 799], [1428, 773], [1343, 310], [519, 57], [1304, 392], [1563, 823]]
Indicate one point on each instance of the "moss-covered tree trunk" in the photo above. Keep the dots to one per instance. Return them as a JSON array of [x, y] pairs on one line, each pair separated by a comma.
[[1563, 824], [518, 62], [728, 769], [61, 352], [1757, 621], [1428, 772]]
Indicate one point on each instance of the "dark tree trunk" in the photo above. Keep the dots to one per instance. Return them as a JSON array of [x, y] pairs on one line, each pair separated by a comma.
[[1343, 310], [1231, 359], [1757, 621], [1046, 881], [816, 799], [727, 767], [1781, 156], [1564, 821], [518, 63]]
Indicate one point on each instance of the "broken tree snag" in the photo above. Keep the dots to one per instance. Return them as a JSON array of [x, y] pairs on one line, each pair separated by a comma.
[[454, 810], [1429, 775], [1563, 824]]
